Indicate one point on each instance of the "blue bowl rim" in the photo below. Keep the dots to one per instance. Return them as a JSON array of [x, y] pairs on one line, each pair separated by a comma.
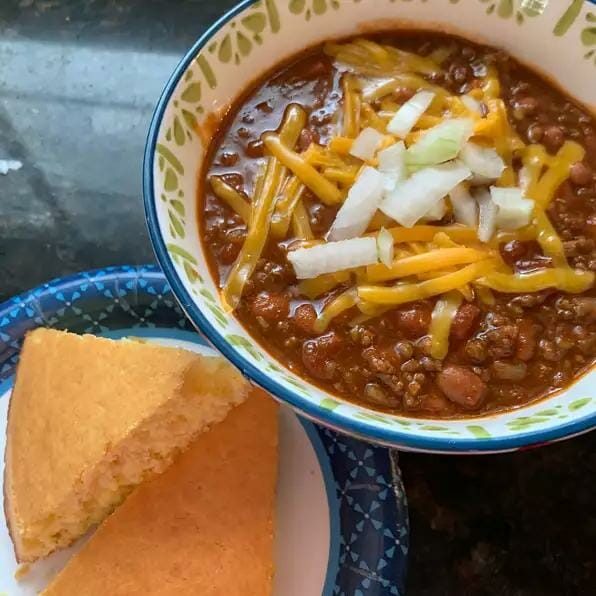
[[333, 419]]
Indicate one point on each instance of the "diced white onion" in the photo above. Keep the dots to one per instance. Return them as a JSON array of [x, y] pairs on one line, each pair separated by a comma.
[[440, 143], [390, 181], [514, 211], [409, 113], [366, 144], [333, 257], [487, 215], [437, 212], [358, 209], [472, 104], [385, 247], [393, 159], [416, 196], [486, 164], [465, 208], [392, 164]]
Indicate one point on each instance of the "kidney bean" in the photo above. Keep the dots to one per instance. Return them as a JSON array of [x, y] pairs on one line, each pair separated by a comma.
[[526, 340], [462, 386], [413, 322], [553, 137], [270, 306], [316, 355], [464, 321], [580, 174], [305, 317]]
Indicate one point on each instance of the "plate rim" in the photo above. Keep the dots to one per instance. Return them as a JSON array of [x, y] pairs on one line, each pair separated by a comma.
[[13, 313]]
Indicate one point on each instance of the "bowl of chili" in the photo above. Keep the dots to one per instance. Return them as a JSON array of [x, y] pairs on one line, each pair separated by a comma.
[[389, 224]]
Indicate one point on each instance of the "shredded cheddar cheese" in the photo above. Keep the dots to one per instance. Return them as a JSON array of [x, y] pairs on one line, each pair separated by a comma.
[[336, 307], [423, 233], [231, 196], [262, 210], [310, 177], [564, 279], [313, 288], [411, 292], [544, 189], [441, 322], [432, 260], [352, 105], [284, 209], [301, 222]]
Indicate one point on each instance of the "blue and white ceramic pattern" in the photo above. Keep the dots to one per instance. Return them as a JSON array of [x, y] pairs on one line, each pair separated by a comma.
[[361, 511]]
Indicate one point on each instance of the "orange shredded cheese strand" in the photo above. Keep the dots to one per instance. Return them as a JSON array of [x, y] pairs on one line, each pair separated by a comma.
[[410, 292], [547, 237], [564, 279], [485, 295], [262, 210], [327, 192], [432, 260], [424, 233], [336, 307], [341, 145], [231, 196], [284, 209], [545, 188], [441, 322], [352, 104], [313, 288], [301, 222]]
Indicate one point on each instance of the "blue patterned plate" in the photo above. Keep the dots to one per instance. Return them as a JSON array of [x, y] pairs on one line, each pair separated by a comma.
[[341, 506]]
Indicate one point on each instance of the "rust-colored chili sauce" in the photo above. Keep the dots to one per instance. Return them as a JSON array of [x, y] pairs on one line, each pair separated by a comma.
[[503, 352]]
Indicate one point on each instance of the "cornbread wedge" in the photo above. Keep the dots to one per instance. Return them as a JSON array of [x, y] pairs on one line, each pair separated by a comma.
[[90, 419], [204, 526]]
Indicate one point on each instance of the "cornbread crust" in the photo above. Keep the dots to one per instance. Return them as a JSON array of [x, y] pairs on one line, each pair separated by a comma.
[[90, 418], [204, 526]]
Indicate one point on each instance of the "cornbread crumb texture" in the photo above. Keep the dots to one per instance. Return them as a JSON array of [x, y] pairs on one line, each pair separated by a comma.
[[204, 526], [85, 417]]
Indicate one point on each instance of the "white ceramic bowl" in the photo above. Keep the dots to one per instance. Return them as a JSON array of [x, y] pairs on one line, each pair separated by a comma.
[[558, 36]]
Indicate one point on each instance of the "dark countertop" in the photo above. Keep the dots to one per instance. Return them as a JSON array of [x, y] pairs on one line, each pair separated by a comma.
[[78, 80]]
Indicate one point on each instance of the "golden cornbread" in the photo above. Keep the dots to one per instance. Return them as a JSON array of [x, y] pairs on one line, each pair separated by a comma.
[[204, 526], [91, 418]]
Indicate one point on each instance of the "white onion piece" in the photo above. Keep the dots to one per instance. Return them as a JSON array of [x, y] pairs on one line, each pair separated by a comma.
[[409, 113], [486, 164], [392, 164], [366, 144], [333, 257], [360, 205], [440, 143], [487, 215], [393, 159], [385, 247], [416, 196], [472, 104], [465, 208], [514, 210], [437, 212], [390, 181]]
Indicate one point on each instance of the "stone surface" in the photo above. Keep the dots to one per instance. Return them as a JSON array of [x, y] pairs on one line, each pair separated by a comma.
[[78, 81]]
